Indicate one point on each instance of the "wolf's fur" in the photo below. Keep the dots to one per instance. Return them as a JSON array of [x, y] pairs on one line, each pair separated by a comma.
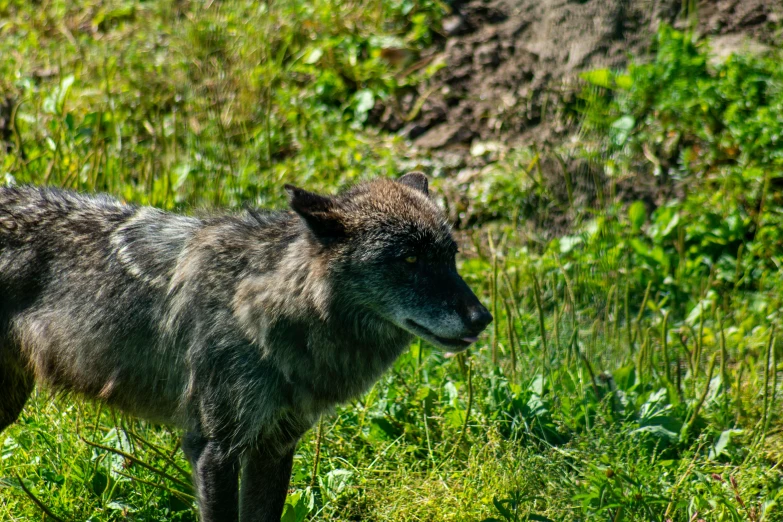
[[240, 330]]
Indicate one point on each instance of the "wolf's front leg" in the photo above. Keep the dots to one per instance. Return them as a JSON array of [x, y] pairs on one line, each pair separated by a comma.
[[216, 474], [265, 478]]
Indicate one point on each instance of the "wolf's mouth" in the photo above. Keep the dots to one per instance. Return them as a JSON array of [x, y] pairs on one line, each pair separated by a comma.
[[456, 344]]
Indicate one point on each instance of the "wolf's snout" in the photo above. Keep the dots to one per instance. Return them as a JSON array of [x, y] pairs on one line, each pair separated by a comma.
[[478, 319]]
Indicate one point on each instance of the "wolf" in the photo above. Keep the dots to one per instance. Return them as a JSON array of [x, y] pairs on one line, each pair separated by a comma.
[[239, 329]]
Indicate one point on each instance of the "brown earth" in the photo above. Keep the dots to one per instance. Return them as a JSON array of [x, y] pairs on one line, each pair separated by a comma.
[[508, 66], [508, 63]]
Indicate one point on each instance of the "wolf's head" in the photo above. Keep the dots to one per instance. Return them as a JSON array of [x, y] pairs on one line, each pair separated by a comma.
[[389, 248]]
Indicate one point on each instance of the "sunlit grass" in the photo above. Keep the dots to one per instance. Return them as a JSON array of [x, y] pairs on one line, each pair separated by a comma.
[[633, 369]]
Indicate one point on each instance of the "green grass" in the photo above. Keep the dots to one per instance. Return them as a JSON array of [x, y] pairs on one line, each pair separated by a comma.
[[633, 371], [178, 104]]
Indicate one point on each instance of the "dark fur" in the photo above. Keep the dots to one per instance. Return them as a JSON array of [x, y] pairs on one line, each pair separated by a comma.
[[240, 330]]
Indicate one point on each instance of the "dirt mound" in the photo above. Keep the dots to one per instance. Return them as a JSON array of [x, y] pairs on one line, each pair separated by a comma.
[[508, 64]]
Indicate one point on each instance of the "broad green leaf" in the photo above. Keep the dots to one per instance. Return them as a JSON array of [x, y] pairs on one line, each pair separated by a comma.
[[621, 129], [289, 514], [719, 448], [637, 214], [599, 77], [625, 377], [365, 101], [623, 81], [568, 243], [659, 432], [314, 56]]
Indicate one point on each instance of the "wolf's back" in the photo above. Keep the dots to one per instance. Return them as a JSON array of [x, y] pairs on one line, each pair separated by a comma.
[[27, 210], [49, 234], [38, 225], [57, 223]]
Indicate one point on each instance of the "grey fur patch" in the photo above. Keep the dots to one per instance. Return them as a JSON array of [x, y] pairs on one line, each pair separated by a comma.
[[139, 249]]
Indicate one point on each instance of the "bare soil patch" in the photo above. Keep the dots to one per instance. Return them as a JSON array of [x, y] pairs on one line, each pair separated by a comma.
[[509, 64], [510, 67]]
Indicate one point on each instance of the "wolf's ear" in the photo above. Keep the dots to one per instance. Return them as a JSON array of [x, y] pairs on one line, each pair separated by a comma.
[[320, 213], [416, 180]]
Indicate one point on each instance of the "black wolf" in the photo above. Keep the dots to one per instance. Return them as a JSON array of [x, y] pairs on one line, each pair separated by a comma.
[[242, 330]]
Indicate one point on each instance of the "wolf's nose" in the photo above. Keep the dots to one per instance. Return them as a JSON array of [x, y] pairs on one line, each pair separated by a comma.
[[479, 318]]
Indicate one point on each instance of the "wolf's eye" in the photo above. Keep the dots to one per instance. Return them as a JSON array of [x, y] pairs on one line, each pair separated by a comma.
[[411, 259]]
